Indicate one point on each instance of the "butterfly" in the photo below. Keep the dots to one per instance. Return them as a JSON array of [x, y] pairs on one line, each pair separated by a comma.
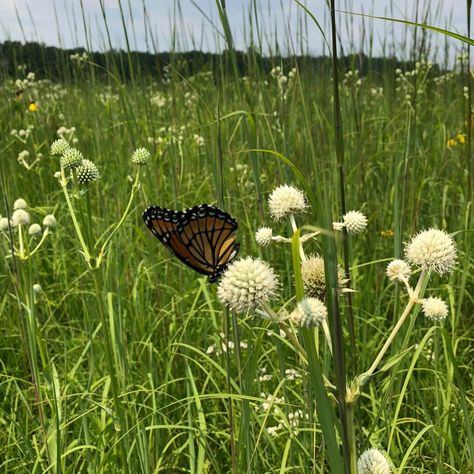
[[203, 236]]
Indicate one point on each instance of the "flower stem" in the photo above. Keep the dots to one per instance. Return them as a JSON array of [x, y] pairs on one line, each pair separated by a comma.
[[295, 228], [103, 249], [411, 302], [85, 250]]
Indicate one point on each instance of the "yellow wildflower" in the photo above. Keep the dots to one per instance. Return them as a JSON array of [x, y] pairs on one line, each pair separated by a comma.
[[33, 107], [461, 138], [451, 142], [387, 233]]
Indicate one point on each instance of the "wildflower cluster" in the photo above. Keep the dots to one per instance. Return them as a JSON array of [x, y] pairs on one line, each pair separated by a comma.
[[283, 82], [79, 59], [413, 83], [67, 133], [108, 97], [351, 81], [460, 139], [249, 284], [23, 134], [23, 231], [432, 250], [71, 160]]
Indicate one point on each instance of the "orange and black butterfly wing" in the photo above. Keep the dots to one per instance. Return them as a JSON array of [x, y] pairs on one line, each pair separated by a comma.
[[202, 237], [209, 235]]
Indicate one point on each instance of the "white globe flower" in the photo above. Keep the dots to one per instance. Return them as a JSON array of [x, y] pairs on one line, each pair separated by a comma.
[[34, 229], [20, 216], [263, 236], [432, 250], [398, 270], [286, 200], [434, 308], [5, 223], [373, 461], [49, 220], [355, 222], [58, 147], [247, 284], [309, 312], [20, 204]]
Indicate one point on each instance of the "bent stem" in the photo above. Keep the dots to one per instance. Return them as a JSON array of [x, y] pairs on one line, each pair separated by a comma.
[[414, 298]]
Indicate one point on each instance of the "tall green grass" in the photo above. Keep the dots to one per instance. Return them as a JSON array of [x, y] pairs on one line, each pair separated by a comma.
[[131, 364]]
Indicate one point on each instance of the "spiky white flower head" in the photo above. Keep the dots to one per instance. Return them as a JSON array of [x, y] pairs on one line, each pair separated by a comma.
[[434, 308], [20, 204], [432, 250], [247, 284], [58, 147], [87, 172], [72, 158], [309, 312], [34, 229], [141, 156], [263, 236], [284, 200], [354, 221], [4, 223], [373, 461], [49, 220], [314, 277], [37, 288], [20, 216], [398, 270]]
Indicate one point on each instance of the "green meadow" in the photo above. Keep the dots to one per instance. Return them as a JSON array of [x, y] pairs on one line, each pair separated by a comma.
[[117, 357]]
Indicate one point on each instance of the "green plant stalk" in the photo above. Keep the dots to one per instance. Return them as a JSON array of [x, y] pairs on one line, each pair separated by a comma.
[[63, 182], [99, 286], [414, 297], [40, 243], [103, 249], [324, 409], [351, 437]]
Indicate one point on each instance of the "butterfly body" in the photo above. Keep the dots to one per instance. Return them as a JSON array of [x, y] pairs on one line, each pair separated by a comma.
[[203, 236]]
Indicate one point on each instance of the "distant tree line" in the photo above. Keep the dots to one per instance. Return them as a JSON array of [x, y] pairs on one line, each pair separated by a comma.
[[56, 64]]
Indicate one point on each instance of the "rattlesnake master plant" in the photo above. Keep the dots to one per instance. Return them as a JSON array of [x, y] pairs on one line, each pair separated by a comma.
[[247, 284]]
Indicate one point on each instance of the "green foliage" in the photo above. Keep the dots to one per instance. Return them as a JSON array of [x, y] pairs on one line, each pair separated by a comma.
[[117, 364]]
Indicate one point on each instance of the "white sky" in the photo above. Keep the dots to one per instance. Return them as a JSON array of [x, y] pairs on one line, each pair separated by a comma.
[[60, 22]]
